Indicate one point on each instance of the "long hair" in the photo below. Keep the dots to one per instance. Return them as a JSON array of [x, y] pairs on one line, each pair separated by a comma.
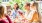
[[17, 6], [1, 10]]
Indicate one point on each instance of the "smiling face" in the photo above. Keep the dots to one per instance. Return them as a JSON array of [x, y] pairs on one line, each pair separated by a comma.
[[15, 6], [27, 6]]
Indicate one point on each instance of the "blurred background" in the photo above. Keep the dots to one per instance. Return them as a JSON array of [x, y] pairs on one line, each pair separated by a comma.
[[9, 4]]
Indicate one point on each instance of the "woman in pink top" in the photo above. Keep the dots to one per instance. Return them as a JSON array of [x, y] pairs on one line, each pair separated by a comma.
[[4, 18]]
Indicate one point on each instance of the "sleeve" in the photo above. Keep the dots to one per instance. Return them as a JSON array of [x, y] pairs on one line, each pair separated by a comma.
[[8, 19]]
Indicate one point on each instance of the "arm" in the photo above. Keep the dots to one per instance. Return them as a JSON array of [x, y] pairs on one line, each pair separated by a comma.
[[8, 19]]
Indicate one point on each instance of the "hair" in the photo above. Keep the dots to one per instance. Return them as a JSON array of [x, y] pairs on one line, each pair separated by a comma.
[[17, 6], [1, 10], [35, 4], [27, 4]]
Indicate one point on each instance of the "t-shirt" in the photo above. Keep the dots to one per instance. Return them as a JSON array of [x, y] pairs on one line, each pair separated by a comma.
[[29, 14]]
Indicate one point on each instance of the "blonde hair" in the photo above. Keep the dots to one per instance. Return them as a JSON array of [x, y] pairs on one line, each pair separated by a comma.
[[1, 10]]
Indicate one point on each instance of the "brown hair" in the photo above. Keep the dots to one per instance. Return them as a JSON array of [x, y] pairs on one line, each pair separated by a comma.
[[35, 4], [27, 4], [1, 10], [17, 6]]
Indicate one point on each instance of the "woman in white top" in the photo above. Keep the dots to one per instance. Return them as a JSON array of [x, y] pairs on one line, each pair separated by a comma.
[[28, 12]]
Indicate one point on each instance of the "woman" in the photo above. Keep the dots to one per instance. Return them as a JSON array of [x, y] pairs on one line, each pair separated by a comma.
[[4, 18], [35, 17], [28, 12], [14, 11]]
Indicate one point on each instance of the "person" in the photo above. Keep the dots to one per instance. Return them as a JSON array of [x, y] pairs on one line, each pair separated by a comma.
[[4, 18], [28, 12], [14, 11], [35, 17]]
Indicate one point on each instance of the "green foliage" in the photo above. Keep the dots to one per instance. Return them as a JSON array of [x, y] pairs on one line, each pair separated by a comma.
[[20, 2]]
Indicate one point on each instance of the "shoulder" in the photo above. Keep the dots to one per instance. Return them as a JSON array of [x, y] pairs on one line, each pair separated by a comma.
[[2, 21], [20, 10]]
